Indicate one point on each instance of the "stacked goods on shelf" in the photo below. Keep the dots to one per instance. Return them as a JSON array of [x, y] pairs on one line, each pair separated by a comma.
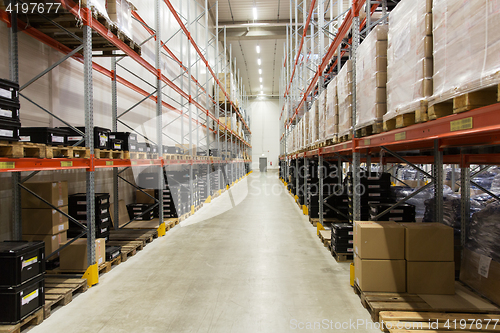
[[22, 280], [227, 83], [306, 130], [332, 111], [45, 135], [430, 266], [74, 257], [342, 239], [322, 116], [466, 48], [140, 212], [409, 63], [313, 123], [371, 80], [120, 12], [113, 252], [9, 110], [375, 189], [379, 259], [128, 140], [402, 213], [202, 183], [78, 211], [344, 95], [101, 137], [187, 149], [40, 222]]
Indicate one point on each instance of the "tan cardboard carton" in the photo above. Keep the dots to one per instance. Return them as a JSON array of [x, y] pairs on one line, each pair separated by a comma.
[[144, 198], [380, 275], [428, 242], [44, 221], [52, 242], [74, 257], [433, 278], [379, 240], [482, 274], [54, 192]]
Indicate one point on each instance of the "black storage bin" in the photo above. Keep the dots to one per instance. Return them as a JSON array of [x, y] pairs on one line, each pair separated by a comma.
[[171, 150], [101, 137], [116, 144], [148, 180], [136, 210], [21, 301], [143, 147], [45, 135], [9, 91], [129, 139], [20, 262], [113, 252], [9, 130], [342, 230], [402, 213], [79, 200], [9, 110]]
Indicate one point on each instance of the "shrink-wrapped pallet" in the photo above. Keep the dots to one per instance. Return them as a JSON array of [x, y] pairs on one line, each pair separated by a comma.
[[120, 12], [313, 123], [322, 116], [409, 58], [307, 129], [371, 79], [344, 93], [227, 83], [332, 111], [466, 48]]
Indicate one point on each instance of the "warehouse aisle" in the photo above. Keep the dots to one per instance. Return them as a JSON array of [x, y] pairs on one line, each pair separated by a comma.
[[258, 267]]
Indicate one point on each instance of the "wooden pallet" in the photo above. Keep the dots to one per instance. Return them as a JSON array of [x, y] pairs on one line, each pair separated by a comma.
[[59, 291], [342, 257], [32, 320], [405, 118], [410, 321], [21, 149], [173, 157], [103, 268], [144, 236], [148, 225], [128, 248], [129, 42], [344, 138], [464, 301], [315, 221], [375, 128], [325, 236], [66, 152], [133, 155], [109, 154], [184, 217]]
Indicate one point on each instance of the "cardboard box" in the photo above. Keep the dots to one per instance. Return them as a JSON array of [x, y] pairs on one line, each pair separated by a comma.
[[52, 242], [44, 221], [380, 275], [145, 199], [379, 240], [54, 192], [433, 278], [74, 257], [428, 242]]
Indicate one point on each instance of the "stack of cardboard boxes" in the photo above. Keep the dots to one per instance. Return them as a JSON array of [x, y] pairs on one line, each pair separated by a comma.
[[410, 257], [40, 222]]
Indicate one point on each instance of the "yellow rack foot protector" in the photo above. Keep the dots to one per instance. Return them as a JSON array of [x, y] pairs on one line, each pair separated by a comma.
[[305, 210], [220, 192], [319, 227], [162, 230], [192, 210], [209, 199], [92, 275], [352, 274]]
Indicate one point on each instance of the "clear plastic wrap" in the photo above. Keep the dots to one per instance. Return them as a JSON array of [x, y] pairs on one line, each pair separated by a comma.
[[120, 12], [332, 110], [371, 78], [307, 130], [409, 57], [98, 5], [344, 93], [466, 46], [484, 231], [322, 116], [418, 201], [313, 122]]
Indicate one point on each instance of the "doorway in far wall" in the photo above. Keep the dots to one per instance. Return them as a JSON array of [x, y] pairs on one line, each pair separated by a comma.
[[263, 164]]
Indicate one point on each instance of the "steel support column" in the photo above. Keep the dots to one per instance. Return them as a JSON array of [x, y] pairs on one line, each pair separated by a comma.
[[437, 170], [465, 178]]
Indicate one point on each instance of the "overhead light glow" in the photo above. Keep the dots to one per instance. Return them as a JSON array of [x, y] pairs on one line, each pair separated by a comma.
[[260, 79], [254, 13], [258, 49], [261, 87], [260, 71], [259, 61], [262, 92]]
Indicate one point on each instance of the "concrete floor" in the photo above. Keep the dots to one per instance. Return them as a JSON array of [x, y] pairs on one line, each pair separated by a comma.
[[258, 267]]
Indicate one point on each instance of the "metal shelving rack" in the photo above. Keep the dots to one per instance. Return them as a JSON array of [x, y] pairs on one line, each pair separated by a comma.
[[458, 139], [190, 108]]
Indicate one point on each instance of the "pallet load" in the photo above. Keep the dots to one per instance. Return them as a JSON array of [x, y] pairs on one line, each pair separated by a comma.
[[40, 222], [227, 83], [313, 123], [74, 257], [409, 63], [306, 125], [140, 212], [120, 13], [45, 135], [375, 189], [322, 116], [78, 211], [402, 213], [128, 140], [332, 111], [9, 110], [344, 93], [101, 137], [22, 280], [466, 63], [342, 240], [371, 80]]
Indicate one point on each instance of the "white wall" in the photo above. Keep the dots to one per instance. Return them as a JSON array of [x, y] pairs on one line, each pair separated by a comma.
[[264, 124]]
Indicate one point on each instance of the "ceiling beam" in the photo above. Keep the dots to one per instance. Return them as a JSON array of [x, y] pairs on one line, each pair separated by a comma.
[[255, 33], [260, 24]]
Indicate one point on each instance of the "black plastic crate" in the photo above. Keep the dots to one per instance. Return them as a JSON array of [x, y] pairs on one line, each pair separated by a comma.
[[148, 180], [9, 130], [101, 137], [143, 147], [129, 139], [135, 211], [45, 135], [113, 252], [9, 91], [172, 150], [21, 301], [9, 110], [79, 200], [116, 144], [20, 261], [342, 230]]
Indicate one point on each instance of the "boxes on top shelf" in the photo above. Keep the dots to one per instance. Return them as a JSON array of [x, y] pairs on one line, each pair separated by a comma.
[[45, 135], [9, 101], [9, 130], [428, 242], [120, 12], [54, 192], [129, 140], [344, 93], [101, 137]]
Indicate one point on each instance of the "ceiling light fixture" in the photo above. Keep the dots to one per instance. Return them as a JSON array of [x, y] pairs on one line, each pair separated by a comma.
[[261, 87], [260, 71], [258, 49], [259, 61], [260, 79], [262, 92], [254, 13]]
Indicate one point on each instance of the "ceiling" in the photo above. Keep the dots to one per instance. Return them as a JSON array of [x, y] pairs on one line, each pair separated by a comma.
[[268, 31]]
